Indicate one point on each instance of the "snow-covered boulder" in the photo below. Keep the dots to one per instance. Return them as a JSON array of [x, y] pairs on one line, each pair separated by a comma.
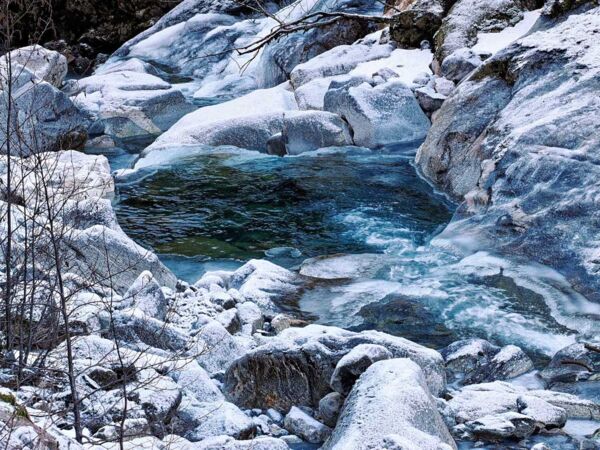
[[354, 363], [307, 427], [337, 61], [229, 443], [391, 401], [215, 348], [47, 65], [108, 255], [487, 410], [127, 104], [48, 119], [201, 420], [296, 366], [246, 122], [305, 131], [577, 362], [478, 361], [197, 383], [250, 316], [265, 283], [380, 114]]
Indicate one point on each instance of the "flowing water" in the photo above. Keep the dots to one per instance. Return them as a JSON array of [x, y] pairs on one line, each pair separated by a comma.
[[217, 208]]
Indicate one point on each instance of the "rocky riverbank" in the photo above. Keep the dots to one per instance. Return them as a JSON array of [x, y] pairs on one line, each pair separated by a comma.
[[503, 92]]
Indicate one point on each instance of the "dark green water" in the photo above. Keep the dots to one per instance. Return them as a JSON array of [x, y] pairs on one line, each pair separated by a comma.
[[225, 206]]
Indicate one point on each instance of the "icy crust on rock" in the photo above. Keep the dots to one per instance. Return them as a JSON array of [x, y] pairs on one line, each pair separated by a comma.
[[518, 138]]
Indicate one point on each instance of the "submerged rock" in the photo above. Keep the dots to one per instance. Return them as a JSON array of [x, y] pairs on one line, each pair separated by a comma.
[[391, 402]]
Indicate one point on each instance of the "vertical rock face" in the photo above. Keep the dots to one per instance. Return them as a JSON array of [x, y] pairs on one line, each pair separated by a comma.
[[518, 142], [468, 17], [390, 405]]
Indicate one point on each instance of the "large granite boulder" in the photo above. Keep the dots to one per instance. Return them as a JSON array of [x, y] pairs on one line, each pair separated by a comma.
[[296, 366], [378, 114], [128, 104], [42, 118], [47, 65], [517, 143], [391, 403]]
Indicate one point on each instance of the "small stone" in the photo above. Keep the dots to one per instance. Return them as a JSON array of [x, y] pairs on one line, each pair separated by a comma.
[[303, 425], [330, 407]]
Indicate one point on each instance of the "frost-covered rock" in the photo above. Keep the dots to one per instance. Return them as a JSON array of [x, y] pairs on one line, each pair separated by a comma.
[[512, 139], [196, 382], [108, 254], [378, 115], [459, 64], [296, 366], [337, 61], [429, 100], [502, 426], [246, 122], [391, 400], [250, 317], [128, 104], [477, 361], [577, 362], [216, 349], [488, 408], [47, 65], [265, 283], [201, 420], [330, 407], [354, 363], [305, 131], [48, 119], [146, 294], [136, 327], [305, 426], [229, 443]]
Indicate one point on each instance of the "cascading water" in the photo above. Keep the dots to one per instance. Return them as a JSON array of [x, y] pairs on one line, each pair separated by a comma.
[[216, 208]]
